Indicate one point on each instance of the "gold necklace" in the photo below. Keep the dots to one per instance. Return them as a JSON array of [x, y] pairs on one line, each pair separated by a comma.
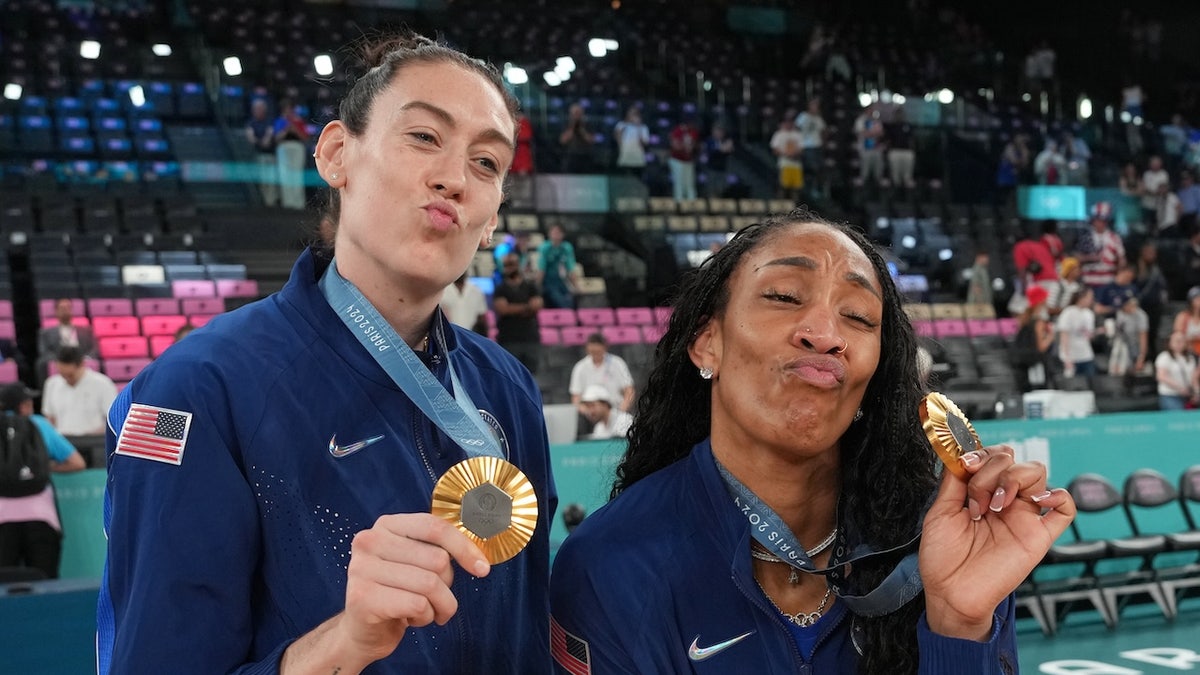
[[801, 619]]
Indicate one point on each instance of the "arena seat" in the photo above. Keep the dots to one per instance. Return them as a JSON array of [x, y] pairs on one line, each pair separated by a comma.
[[109, 307], [193, 288], [165, 324], [130, 346], [115, 326], [156, 306]]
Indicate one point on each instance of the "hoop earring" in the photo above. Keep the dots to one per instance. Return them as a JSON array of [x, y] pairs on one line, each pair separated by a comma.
[[706, 373]]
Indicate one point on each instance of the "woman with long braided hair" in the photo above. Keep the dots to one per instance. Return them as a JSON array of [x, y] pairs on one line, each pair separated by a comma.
[[779, 509]]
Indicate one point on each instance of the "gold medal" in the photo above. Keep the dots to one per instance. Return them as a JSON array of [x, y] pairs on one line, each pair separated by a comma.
[[492, 502], [949, 431]]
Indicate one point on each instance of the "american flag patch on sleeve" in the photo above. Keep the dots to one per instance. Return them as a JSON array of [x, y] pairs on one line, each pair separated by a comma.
[[150, 432], [569, 651]]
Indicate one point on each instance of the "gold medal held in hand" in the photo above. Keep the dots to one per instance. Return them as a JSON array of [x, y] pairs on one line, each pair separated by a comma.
[[492, 502], [949, 431]]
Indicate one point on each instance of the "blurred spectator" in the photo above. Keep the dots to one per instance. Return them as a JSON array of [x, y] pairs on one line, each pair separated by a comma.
[[1152, 288], [1129, 182], [576, 141], [1069, 275], [1078, 156], [685, 141], [1130, 339], [291, 138], [516, 302], [1189, 202], [556, 263], [600, 368], [786, 145], [1174, 142], [260, 134], [1177, 375], [1153, 179], [813, 130], [465, 305], [1100, 249], [606, 421], [901, 153], [1111, 296], [1050, 165], [1040, 68], [1034, 262], [76, 400], [1052, 241], [1032, 342], [183, 331], [1076, 325], [1132, 100], [979, 288], [1191, 260], [718, 151], [30, 531], [868, 133], [1187, 321], [1013, 167], [632, 137], [522, 164], [63, 334], [1167, 213], [520, 245]]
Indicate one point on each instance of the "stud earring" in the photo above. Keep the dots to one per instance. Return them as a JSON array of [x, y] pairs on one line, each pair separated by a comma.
[[706, 373], [333, 176], [858, 415], [489, 241]]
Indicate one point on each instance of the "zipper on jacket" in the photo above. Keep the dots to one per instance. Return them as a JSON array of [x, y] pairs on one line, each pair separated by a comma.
[[758, 600]]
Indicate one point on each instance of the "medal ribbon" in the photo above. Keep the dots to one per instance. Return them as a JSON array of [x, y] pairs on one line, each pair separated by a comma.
[[768, 529], [456, 416]]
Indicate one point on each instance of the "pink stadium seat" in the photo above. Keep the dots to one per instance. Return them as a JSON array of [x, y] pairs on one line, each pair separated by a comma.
[[8, 329], [556, 318], [159, 344], [193, 288], [662, 315], [8, 372], [201, 306], [6, 310], [48, 321], [573, 336], [127, 347], [123, 370], [596, 316], [52, 367], [635, 316], [1008, 326], [46, 307], [237, 288], [115, 326], [982, 327], [622, 335], [165, 324], [950, 328], [924, 328], [653, 333], [198, 320], [550, 335], [156, 306], [109, 307]]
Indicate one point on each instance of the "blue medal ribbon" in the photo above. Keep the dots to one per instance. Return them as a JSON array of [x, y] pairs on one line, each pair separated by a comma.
[[456, 416], [897, 589]]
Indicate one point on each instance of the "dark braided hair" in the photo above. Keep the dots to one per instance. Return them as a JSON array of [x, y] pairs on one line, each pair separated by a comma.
[[888, 471], [382, 57]]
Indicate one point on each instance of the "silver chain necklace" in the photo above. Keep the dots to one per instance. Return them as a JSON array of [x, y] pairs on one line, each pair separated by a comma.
[[794, 578], [801, 619]]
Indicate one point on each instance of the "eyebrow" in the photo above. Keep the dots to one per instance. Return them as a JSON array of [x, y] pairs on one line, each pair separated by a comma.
[[491, 134], [806, 263]]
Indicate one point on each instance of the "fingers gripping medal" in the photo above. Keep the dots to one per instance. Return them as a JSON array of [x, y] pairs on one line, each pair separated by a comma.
[[949, 431], [492, 502]]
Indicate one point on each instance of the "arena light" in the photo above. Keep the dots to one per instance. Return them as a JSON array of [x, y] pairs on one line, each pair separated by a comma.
[[562, 73], [597, 47], [323, 64], [908, 241], [161, 49], [566, 63], [898, 99], [89, 49], [945, 254], [516, 75], [1085, 108], [611, 45], [233, 66], [137, 96], [12, 91], [551, 78], [946, 96], [1126, 117], [864, 99]]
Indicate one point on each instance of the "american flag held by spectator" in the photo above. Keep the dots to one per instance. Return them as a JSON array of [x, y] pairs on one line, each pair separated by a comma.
[[150, 432]]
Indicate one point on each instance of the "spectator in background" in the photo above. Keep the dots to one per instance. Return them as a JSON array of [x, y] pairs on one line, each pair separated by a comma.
[[1189, 202], [576, 141], [1191, 260], [1167, 213], [606, 421], [601, 368], [1153, 179], [1078, 157], [1132, 100], [901, 151], [1013, 168], [1129, 182], [76, 400], [868, 134], [523, 157], [516, 302], [1130, 339], [30, 531], [1187, 321], [1034, 261], [63, 334], [1110, 297], [1050, 166], [718, 153], [979, 288], [1151, 289], [786, 144], [1177, 375], [465, 305], [685, 142], [1100, 249], [260, 134], [1069, 281], [813, 129], [556, 264], [1076, 325], [291, 141], [1174, 141], [1052, 241], [1032, 342], [632, 137]]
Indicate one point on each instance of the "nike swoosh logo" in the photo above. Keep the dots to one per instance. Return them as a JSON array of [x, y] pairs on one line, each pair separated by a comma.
[[698, 653], [340, 451]]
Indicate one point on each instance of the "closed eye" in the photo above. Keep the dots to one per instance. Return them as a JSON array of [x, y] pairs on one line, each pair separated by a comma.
[[781, 297], [423, 137], [861, 318]]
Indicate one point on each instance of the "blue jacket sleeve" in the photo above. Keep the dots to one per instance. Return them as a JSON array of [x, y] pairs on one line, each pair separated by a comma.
[[183, 541], [942, 655]]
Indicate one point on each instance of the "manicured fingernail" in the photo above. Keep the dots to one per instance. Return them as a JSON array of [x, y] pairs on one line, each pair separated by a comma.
[[971, 458], [997, 500], [1039, 497], [481, 568], [973, 509]]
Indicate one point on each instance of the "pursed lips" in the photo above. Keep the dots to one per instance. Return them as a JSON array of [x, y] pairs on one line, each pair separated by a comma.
[[441, 212], [819, 369]]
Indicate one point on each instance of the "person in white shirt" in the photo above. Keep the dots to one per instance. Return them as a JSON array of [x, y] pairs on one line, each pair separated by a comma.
[[597, 408], [787, 143], [632, 137], [607, 370], [465, 305], [76, 400]]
